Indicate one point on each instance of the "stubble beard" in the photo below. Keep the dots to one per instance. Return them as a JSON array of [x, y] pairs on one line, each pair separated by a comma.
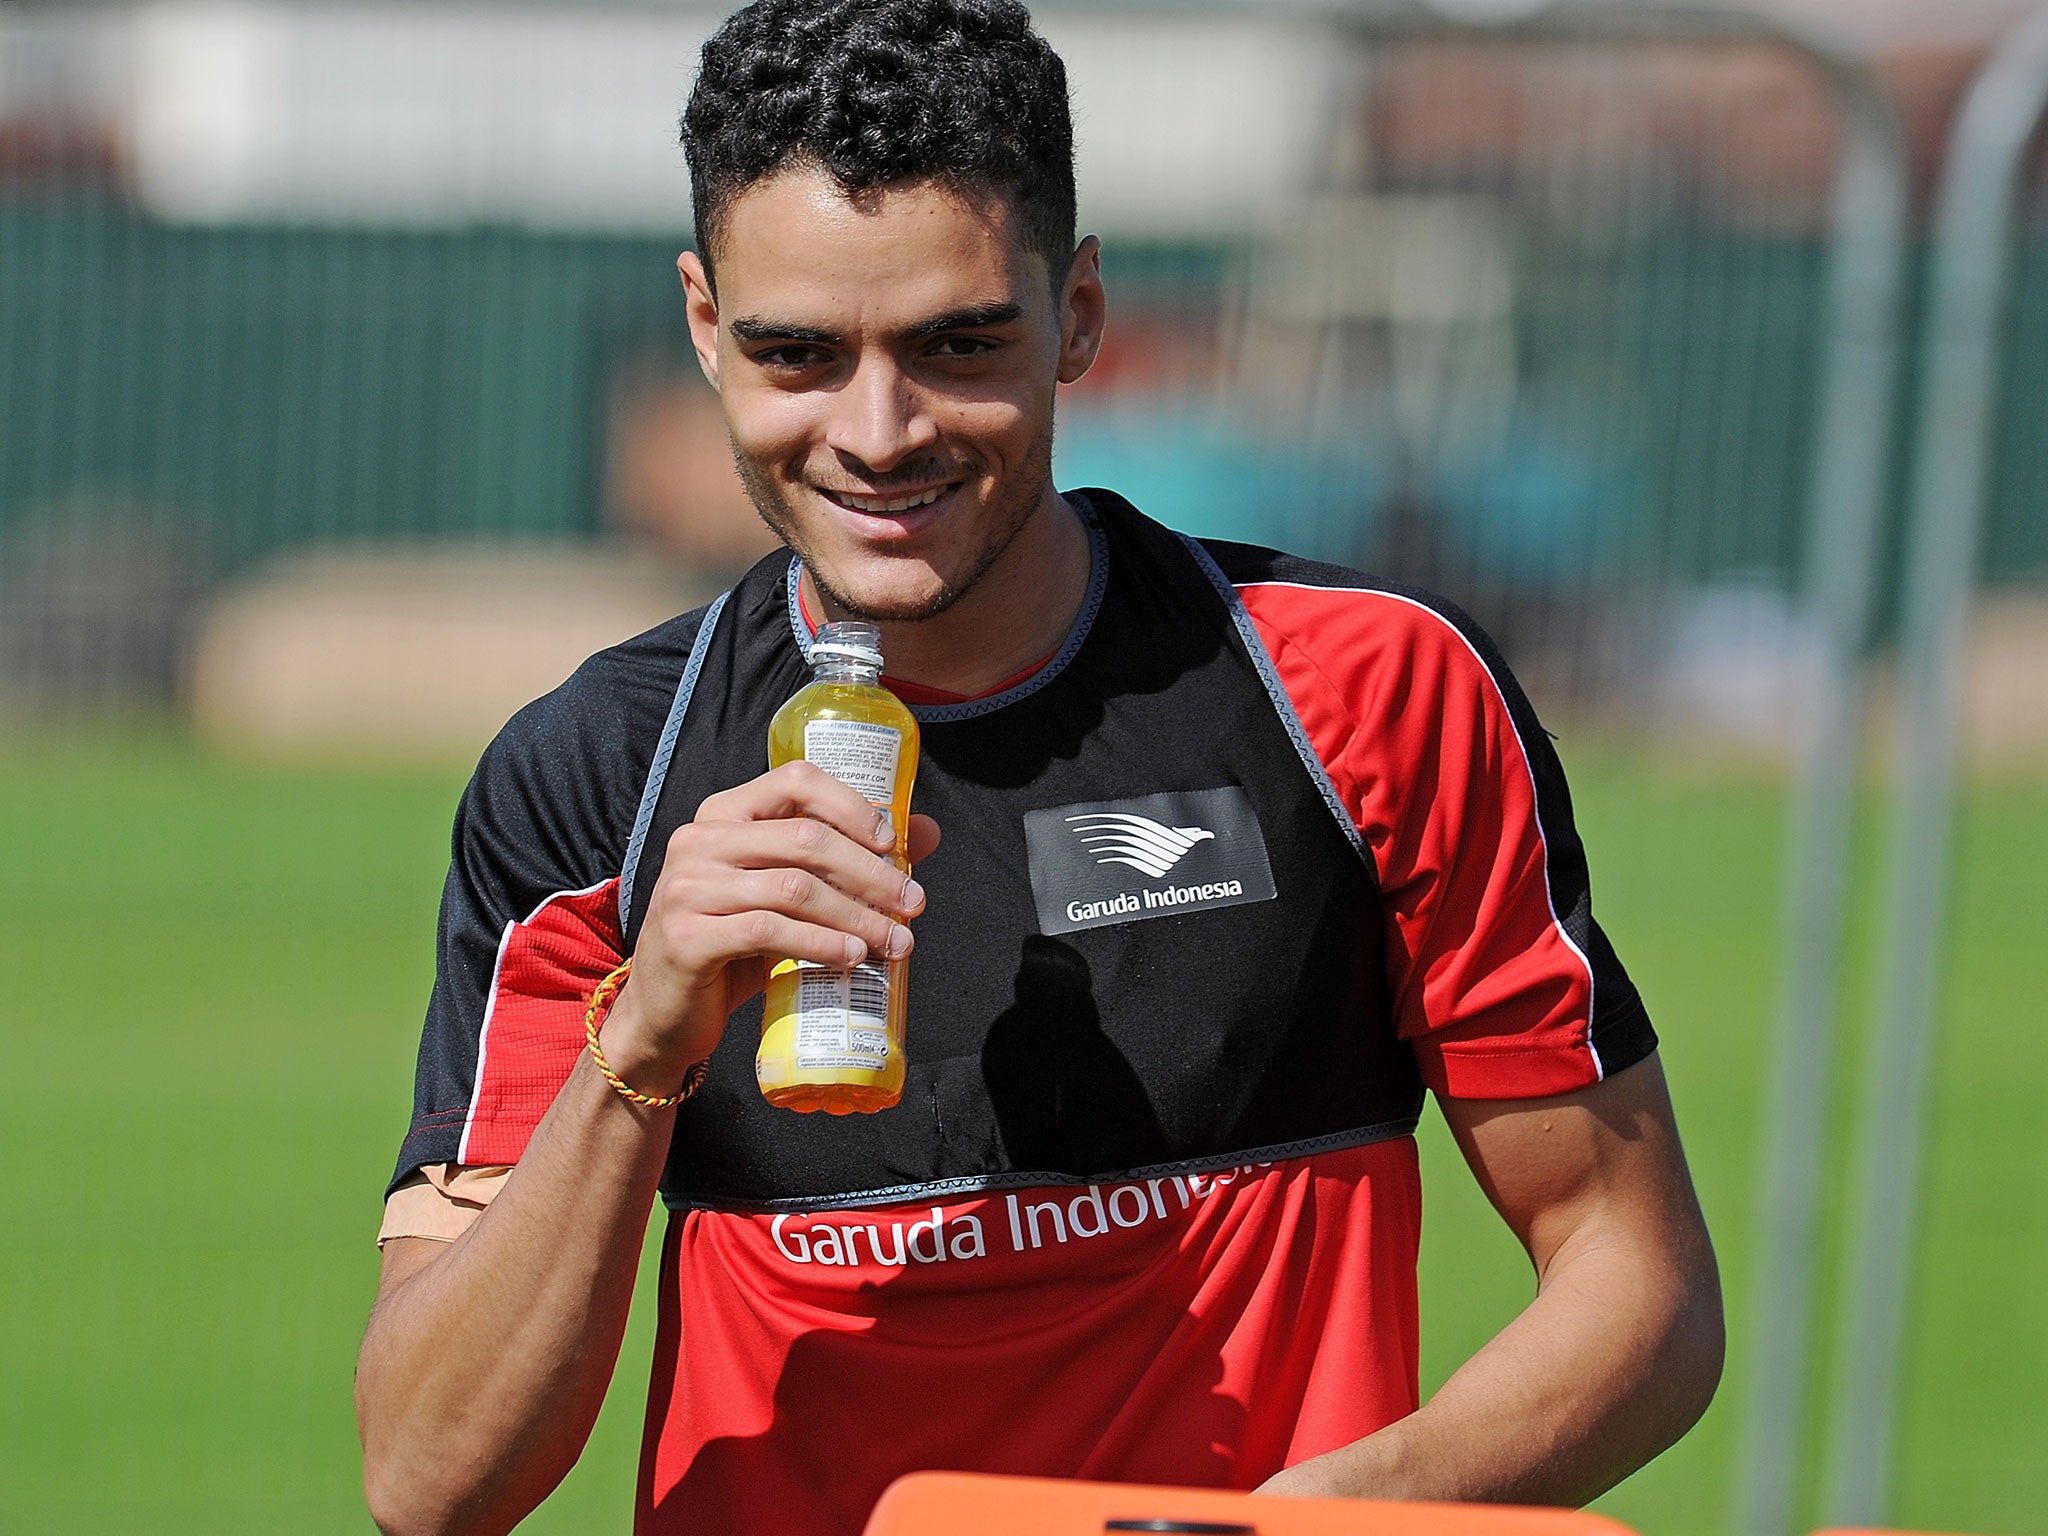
[[1007, 517]]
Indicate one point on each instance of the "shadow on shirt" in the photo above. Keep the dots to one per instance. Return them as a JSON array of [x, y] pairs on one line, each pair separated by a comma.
[[1065, 1098]]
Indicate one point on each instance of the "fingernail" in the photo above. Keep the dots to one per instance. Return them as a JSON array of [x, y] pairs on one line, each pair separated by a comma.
[[885, 828], [899, 941], [855, 950], [913, 895]]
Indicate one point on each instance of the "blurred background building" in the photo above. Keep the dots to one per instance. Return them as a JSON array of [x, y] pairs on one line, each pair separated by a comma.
[[335, 332]]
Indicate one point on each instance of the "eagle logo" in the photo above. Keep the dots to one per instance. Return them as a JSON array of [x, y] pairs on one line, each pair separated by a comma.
[[1117, 837]]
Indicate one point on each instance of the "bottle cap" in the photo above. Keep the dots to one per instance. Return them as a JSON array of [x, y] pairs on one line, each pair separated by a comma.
[[850, 640], [864, 653]]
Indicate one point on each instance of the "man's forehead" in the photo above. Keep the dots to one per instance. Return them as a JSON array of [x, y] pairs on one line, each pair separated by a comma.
[[798, 244]]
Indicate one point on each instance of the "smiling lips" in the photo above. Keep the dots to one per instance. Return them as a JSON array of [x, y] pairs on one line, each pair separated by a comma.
[[875, 505]]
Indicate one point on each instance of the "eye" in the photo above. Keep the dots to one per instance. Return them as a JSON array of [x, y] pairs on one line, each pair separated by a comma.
[[789, 358], [963, 346]]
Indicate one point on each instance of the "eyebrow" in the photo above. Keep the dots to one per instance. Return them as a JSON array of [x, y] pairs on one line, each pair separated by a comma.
[[975, 317], [755, 328], [758, 328]]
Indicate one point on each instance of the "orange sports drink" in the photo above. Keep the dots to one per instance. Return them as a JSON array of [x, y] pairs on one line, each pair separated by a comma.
[[832, 1037]]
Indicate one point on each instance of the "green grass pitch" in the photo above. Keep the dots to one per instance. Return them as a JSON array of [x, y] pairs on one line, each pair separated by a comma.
[[210, 983]]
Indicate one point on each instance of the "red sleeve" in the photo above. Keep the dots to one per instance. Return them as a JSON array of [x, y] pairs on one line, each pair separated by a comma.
[[1501, 981], [533, 1030]]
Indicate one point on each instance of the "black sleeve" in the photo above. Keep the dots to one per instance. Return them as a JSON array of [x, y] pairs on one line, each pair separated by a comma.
[[539, 837]]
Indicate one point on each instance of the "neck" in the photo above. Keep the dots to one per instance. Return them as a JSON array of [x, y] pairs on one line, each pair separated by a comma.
[[1020, 610]]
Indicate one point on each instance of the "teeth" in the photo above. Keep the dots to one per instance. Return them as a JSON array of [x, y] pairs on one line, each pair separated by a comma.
[[861, 505]]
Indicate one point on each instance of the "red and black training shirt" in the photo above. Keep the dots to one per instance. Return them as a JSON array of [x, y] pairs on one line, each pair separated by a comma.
[[1264, 850]]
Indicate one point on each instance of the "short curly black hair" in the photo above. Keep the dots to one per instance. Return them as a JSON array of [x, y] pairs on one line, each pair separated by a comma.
[[883, 91]]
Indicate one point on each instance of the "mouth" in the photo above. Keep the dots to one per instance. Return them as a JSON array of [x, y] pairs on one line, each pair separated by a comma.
[[888, 506], [895, 517]]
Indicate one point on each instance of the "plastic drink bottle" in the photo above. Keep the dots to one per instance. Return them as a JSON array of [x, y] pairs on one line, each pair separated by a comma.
[[832, 1037]]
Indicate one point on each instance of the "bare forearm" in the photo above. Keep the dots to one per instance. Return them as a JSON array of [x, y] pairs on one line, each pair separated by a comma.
[[485, 1364], [1616, 1357], [482, 1373], [1620, 1351]]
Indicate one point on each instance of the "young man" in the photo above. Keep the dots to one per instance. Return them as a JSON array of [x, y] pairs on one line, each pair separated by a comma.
[[1148, 1209]]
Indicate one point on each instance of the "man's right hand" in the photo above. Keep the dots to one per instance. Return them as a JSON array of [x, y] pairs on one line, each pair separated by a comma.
[[791, 865]]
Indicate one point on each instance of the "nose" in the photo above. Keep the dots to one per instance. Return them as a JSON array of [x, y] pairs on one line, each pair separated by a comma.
[[878, 417]]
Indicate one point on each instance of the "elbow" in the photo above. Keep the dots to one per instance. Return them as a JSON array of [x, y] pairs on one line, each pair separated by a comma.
[[393, 1514], [411, 1494], [393, 1518], [407, 1507], [462, 1481], [1695, 1348], [430, 1487], [398, 1502], [399, 1506], [1710, 1346]]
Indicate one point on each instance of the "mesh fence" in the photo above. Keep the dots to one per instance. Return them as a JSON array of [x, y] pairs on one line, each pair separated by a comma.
[[1541, 332], [1543, 336]]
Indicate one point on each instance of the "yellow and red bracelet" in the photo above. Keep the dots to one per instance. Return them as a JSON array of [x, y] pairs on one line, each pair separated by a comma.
[[601, 1002]]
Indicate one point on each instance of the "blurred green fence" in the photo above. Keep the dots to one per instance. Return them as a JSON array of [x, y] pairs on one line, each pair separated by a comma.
[[253, 390], [1618, 400]]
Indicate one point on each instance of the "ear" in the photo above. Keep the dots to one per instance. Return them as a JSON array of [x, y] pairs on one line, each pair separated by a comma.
[[1083, 311], [700, 304]]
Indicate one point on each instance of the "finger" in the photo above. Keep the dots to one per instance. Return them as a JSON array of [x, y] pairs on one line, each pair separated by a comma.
[[706, 855], [801, 789], [720, 940], [799, 894], [923, 839]]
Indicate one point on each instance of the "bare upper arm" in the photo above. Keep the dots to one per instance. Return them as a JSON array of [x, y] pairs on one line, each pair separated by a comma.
[[405, 1257], [426, 1213], [1604, 1160]]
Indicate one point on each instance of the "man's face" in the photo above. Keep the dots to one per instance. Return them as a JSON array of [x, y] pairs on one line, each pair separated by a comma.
[[887, 364]]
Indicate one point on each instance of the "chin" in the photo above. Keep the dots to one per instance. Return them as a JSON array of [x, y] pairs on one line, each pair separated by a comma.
[[886, 602]]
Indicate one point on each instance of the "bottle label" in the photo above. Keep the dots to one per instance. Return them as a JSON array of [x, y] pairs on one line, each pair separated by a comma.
[[842, 1017], [857, 754]]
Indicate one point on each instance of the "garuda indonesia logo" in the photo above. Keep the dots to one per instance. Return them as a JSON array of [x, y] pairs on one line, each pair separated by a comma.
[[1079, 854], [1116, 837]]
